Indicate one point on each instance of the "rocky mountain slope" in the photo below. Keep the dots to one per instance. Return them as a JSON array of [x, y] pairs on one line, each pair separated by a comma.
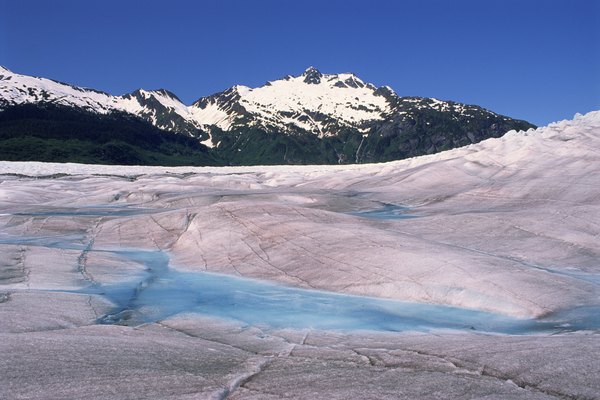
[[310, 118]]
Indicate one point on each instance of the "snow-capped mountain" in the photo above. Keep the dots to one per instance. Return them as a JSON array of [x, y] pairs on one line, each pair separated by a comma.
[[312, 102], [160, 107], [322, 104], [315, 117]]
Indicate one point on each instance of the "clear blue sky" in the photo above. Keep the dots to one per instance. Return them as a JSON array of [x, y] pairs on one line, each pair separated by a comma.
[[536, 60]]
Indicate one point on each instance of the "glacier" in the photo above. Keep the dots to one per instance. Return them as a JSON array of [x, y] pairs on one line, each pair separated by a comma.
[[506, 227]]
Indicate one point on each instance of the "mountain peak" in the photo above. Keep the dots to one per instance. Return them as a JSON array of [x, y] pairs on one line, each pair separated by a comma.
[[146, 94], [310, 70], [386, 92], [312, 76], [167, 93], [322, 104]]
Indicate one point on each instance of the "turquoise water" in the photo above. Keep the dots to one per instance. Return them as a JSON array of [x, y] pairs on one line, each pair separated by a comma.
[[91, 211], [163, 292], [386, 212]]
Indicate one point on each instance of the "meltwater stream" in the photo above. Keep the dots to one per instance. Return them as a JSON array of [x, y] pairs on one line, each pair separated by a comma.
[[163, 292], [386, 212]]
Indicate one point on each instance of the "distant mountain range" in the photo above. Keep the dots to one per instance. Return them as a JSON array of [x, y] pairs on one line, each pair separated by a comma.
[[306, 119]]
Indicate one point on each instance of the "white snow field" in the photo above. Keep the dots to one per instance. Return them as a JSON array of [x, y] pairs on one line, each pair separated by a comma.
[[480, 268]]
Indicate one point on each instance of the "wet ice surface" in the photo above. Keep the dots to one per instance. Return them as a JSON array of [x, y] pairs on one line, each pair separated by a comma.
[[159, 292]]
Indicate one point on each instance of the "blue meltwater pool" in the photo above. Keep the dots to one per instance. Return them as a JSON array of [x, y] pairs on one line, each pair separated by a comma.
[[161, 292]]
